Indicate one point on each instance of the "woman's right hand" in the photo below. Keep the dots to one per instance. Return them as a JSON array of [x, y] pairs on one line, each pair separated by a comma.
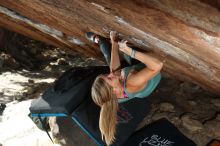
[[113, 36], [124, 48]]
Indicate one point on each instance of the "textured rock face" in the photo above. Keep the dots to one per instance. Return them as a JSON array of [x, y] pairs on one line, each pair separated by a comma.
[[184, 34]]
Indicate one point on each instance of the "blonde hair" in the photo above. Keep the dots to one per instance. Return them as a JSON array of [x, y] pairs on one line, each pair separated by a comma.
[[103, 97]]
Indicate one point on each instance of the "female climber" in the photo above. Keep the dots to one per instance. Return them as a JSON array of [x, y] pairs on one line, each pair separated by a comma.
[[121, 85]]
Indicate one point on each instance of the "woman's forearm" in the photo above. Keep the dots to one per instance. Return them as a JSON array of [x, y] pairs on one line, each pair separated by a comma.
[[150, 61], [115, 61]]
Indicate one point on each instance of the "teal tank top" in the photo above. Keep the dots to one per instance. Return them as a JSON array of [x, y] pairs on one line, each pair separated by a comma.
[[146, 91]]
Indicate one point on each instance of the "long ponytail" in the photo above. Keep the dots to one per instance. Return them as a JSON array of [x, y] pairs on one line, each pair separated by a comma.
[[102, 96]]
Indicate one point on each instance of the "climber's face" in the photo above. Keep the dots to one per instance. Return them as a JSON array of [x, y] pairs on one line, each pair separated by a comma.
[[114, 81]]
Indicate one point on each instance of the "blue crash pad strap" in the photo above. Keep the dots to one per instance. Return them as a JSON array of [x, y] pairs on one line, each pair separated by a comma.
[[49, 115], [75, 119]]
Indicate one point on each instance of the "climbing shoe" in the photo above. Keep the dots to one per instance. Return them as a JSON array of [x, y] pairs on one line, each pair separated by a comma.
[[92, 37]]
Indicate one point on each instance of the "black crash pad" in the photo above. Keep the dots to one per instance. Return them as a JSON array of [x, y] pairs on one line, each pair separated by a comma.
[[130, 114], [159, 133], [71, 89]]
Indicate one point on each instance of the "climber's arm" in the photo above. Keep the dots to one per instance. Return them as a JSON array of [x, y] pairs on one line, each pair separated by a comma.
[[115, 61], [153, 66]]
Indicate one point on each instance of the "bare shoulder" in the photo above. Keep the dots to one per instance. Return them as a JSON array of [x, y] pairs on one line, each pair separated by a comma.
[[141, 78], [133, 85]]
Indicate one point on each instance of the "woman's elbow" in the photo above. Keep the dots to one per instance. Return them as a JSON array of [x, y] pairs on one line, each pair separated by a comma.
[[156, 67], [159, 66]]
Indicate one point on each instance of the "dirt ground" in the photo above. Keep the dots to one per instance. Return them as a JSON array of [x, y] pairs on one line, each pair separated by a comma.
[[29, 67]]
